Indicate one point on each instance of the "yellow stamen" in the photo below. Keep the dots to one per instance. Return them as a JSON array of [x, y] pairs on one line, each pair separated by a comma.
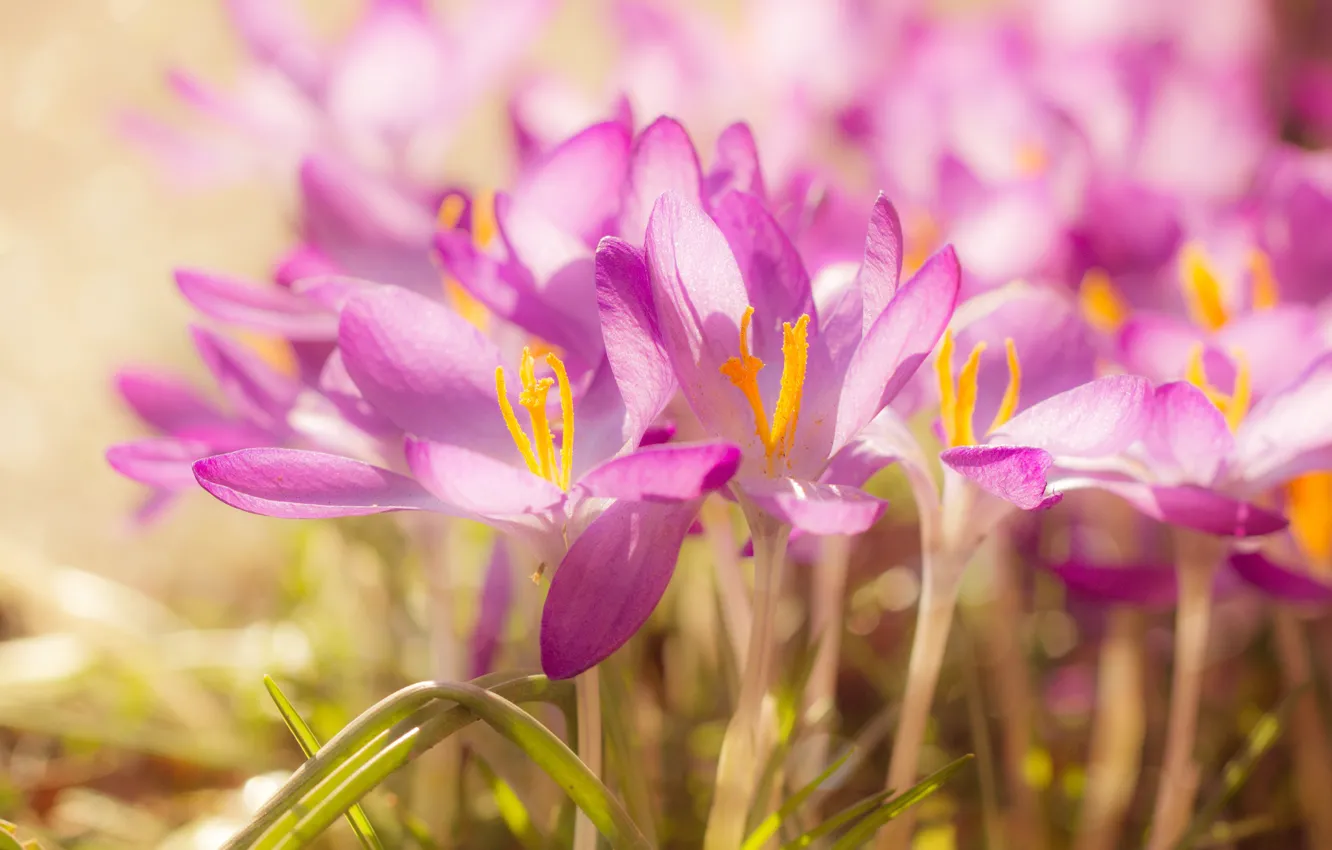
[[922, 237], [1031, 159], [1008, 406], [967, 384], [462, 302], [943, 370], [567, 414], [515, 430], [1309, 506], [1101, 304], [450, 211], [484, 227], [1202, 290], [1235, 406], [779, 439], [1264, 293], [539, 452]]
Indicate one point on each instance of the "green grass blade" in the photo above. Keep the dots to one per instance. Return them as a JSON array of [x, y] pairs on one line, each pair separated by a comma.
[[373, 772], [851, 813], [768, 828], [305, 736], [1262, 737], [511, 809], [860, 834]]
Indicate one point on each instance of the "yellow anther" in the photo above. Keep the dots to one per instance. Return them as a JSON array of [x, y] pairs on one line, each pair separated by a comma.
[[1263, 291], [484, 226], [539, 452], [1309, 506], [967, 384], [742, 371], [1233, 406], [1102, 307], [943, 370], [462, 302], [1202, 290], [450, 211], [1008, 405]]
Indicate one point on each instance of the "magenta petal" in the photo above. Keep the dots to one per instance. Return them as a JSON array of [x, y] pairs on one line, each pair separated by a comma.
[[1098, 419], [165, 401], [162, 462], [1149, 586], [297, 484], [577, 185], [1290, 431], [1157, 345], [1014, 473], [774, 275], [881, 270], [479, 484], [425, 368], [262, 308], [897, 343], [275, 32], [1188, 433], [610, 582], [255, 390], [815, 508], [1279, 581], [632, 339], [331, 291], [671, 472], [1186, 506], [663, 159], [736, 164], [493, 610]]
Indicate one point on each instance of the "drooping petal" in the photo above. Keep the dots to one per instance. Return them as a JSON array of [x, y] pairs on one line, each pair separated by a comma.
[[663, 159], [492, 610], [735, 166], [162, 462], [609, 583], [700, 298], [1186, 506], [297, 484], [1098, 419], [671, 472], [1018, 474], [165, 401], [1149, 586], [881, 270], [265, 309], [425, 368], [631, 335], [479, 484], [300, 262], [1188, 433], [1279, 581], [815, 508], [255, 390], [1290, 431], [577, 185], [898, 342]]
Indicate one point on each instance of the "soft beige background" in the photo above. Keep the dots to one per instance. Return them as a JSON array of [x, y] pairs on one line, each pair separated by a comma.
[[88, 237]]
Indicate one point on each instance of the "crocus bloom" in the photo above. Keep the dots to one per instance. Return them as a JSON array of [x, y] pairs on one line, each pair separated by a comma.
[[724, 311], [612, 515]]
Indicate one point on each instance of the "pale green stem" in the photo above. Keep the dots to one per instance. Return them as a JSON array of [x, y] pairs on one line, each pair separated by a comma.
[[737, 615], [748, 736], [941, 576], [826, 618], [1308, 736], [1118, 730], [1196, 559], [587, 693]]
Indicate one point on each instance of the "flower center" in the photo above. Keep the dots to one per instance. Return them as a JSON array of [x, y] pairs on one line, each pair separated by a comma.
[[1233, 406], [1100, 302], [483, 232], [779, 438], [539, 451], [1309, 506], [957, 394]]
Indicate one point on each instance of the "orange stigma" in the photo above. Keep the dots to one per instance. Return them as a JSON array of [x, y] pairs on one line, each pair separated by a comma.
[[1309, 505], [779, 438], [1100, 303], [539, 452], [1233, 406], [957, 394], [1202, 289], [1263, 291]]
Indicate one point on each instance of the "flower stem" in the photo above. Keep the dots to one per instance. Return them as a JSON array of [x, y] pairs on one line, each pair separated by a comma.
[[587, 693], [749, 733], [1196, 561], [1117, 734], [826, 621], [941, 576], [737, 616], [1308, 738]]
